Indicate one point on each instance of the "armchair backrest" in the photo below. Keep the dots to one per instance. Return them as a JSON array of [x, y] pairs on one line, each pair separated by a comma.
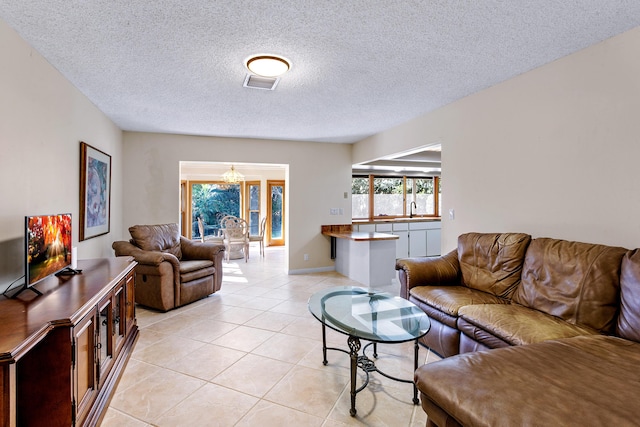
[[160, 237]]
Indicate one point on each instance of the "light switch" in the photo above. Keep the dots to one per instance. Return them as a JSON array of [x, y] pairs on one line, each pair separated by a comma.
[[452, 214]]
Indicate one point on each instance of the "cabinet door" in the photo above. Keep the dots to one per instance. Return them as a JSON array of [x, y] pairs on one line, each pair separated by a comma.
[[402, 244], [417, 243], [105, 337], [84, 372], [119, 315], [368, 228], [433, 242], [130, 304]]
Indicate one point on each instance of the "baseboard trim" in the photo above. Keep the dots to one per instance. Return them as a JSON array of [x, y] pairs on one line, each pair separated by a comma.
[[312, 270]]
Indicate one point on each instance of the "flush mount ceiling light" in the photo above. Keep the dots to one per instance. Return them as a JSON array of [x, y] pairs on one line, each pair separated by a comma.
[[268, 65]]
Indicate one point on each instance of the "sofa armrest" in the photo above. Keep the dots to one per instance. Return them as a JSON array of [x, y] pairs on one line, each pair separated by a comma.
[[428, 271], [152, 258], [192, 249], [123, 248]]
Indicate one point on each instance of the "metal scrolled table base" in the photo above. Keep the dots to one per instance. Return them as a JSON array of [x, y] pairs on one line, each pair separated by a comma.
[[366, 364]]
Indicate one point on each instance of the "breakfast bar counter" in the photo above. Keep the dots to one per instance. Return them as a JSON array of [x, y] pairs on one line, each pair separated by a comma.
[[367, 257]]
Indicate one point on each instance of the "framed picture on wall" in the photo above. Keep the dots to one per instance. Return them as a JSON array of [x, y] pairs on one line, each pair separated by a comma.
[[95, 192]]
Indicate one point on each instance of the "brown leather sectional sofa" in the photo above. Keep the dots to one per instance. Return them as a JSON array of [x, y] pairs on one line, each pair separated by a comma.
[[561, 321]]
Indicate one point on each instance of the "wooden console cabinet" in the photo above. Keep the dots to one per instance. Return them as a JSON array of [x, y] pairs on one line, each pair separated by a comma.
[[62, 353]]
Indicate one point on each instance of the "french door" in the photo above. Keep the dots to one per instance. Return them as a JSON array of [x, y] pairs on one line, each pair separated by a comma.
[[275, 209]]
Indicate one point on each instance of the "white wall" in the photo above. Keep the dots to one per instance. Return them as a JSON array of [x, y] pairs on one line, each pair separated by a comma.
[[553, 152], [43, 118], [318, 176]]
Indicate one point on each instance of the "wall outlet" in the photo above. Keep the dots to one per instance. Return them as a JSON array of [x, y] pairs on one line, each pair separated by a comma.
[[306, 257], [333, 211], [341, 211]]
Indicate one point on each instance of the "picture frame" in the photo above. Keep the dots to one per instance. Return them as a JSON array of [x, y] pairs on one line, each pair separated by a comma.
[[95, 192]]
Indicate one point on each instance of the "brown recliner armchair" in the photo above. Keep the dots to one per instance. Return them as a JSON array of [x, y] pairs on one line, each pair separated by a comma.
[[172, 270]]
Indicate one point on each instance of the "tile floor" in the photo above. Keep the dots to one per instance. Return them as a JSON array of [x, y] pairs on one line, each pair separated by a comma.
[[251, 354]]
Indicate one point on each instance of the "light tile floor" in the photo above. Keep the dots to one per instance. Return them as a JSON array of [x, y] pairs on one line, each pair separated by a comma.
[[251, 354]]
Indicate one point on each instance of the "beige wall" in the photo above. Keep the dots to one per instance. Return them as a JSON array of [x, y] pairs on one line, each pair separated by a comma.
[[553, 152], [43, 120], [318, 176]]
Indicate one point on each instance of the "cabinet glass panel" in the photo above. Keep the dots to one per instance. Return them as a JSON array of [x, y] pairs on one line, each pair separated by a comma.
[[119, 315], [105, 350]]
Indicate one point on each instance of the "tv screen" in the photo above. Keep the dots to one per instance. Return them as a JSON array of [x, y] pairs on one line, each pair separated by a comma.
[[48, 246]]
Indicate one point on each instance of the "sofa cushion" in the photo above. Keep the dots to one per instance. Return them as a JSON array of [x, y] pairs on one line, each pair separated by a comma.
[[577, 282], [581, 381], [443, 302], [629, 318], [514, 325], [195, 269], [491, 262], [161, 237]]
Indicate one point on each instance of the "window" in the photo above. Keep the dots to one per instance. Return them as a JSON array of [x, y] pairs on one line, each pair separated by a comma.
[[360, 197], [420, 191], [388, 197], [380, 197]]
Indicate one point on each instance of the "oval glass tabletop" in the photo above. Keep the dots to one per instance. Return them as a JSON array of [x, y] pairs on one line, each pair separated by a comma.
[[370, 315]]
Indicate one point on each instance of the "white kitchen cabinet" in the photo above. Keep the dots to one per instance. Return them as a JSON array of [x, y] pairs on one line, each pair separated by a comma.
[[418, 239], [433, 242], [402, 244], [415, 239]]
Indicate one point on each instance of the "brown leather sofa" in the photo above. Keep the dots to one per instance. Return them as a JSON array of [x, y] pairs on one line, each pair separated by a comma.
[[172, 270], [563, 332], [484, 269]]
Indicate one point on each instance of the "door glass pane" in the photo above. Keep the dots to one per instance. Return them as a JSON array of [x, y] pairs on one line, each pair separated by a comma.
[[276, 211], [254, 197], [388, 196], [253, 210], [360, 197], [211, 202], [254, 223]]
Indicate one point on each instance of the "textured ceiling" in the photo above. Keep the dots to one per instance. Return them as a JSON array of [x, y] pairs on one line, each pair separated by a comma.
[[358, 67]]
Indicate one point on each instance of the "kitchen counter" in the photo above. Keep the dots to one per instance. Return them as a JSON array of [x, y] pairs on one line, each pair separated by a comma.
[[364, 256]]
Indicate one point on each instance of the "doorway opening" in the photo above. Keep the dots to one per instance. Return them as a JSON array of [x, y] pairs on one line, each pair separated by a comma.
[[206, 197]]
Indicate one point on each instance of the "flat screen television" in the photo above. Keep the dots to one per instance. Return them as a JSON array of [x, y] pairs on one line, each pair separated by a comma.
[[48, 246]]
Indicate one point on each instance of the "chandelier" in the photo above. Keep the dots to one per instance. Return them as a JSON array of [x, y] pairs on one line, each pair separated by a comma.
[[232, 176]]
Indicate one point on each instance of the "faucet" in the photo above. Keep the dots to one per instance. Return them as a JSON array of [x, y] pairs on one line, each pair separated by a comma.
[[411, 206]]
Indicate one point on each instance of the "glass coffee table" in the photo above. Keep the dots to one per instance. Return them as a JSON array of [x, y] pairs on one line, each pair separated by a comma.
[[377, 317]]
